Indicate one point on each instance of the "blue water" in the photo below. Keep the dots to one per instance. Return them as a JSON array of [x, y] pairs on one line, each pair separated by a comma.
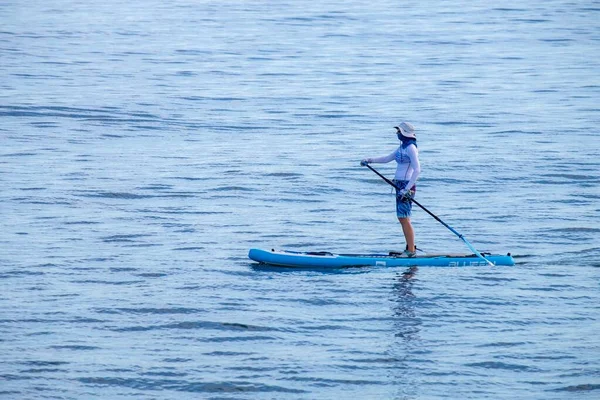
[[147, 146]]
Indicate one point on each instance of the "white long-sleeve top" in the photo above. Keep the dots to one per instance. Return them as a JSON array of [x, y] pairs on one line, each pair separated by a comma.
[[408, 168]]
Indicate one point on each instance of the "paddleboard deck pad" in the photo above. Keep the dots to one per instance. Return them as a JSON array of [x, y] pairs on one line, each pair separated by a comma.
[[323, 259]]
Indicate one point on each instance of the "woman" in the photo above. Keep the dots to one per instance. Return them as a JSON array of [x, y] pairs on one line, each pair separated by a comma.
[[407, 173]]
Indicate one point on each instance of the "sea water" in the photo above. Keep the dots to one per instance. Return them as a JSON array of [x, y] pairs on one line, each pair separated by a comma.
[[148, 145]]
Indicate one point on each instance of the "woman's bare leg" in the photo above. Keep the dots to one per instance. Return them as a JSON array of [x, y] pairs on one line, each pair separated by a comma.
[[409, 233]]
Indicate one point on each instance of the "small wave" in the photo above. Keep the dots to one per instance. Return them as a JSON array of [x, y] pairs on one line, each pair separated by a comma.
[[575, 230], [225, 326], [40, 371], [13, 273], [189, 248], [587, 387], [504, 344], [165, 373], [234, 189], [235, 339], [177, 360], [335, 382], [74, 347], [123, 238], [186, 386], [160, 311], [218, 353], [120, 269], [191, 178], [501, 365], [573, 177], [100, 282], [175, 212], [24, 154], [88, 114], [38, 363], [157, 186], [152, 275], [118, 195], [284, 175]]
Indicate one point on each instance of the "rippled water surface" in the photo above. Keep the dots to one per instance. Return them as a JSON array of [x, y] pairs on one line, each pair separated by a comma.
[[147, 146]]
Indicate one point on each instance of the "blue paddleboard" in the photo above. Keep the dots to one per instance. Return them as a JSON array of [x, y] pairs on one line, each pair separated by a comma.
[[294, 259]]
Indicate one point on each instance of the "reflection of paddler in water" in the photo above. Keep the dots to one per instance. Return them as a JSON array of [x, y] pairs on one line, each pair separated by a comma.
[[409, 273], [407, 322]]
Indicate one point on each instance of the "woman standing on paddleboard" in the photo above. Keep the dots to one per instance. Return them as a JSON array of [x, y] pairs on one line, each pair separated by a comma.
[[407, 173]]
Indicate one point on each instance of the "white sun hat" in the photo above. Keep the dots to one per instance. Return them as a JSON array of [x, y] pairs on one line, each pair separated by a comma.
[[407, 130]]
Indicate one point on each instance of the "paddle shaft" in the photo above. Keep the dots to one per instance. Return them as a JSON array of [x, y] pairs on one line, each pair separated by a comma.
[[460, 236]]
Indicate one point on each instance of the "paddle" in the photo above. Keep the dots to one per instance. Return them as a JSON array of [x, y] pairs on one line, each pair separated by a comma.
[[461, 237]]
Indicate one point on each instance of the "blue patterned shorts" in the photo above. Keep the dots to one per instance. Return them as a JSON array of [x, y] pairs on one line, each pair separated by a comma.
[[403, 206]]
